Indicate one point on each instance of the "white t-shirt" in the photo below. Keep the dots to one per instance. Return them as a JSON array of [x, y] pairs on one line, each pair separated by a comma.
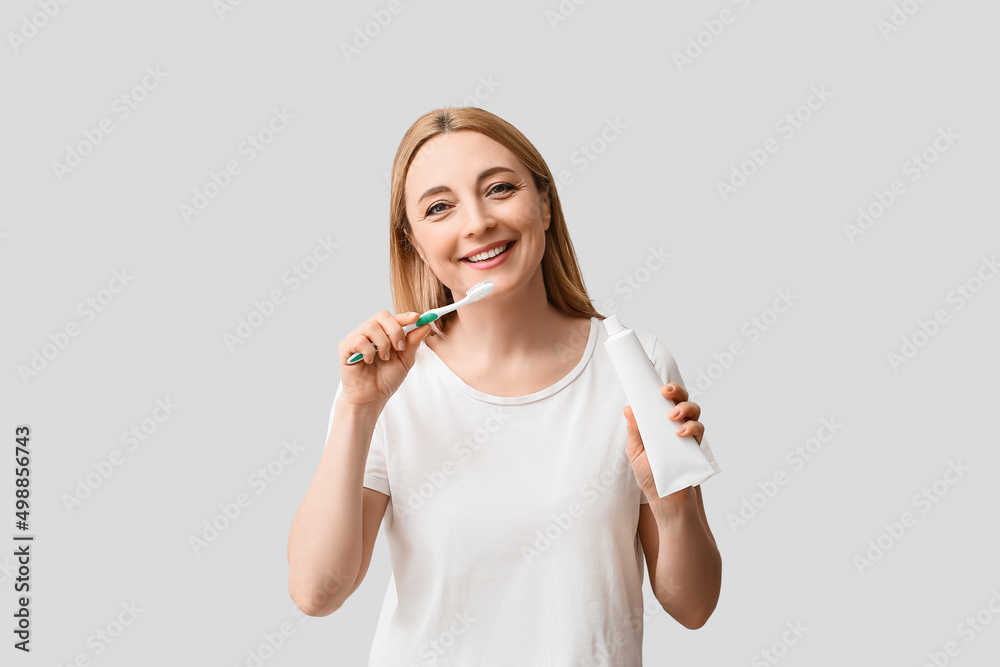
[[512, 521]]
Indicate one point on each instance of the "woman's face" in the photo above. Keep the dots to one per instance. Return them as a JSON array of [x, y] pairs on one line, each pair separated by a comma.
[[464, 191]]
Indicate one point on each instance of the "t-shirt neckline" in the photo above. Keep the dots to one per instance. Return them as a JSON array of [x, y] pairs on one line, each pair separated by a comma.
[[451, 377]]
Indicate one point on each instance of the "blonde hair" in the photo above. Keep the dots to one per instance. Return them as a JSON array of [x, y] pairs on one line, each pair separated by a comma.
[[414, 286]]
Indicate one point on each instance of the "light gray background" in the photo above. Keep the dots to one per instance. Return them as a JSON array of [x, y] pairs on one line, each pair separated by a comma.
[[325, 175]]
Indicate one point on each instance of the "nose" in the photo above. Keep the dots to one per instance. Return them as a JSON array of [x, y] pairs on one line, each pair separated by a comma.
[[477, 220]]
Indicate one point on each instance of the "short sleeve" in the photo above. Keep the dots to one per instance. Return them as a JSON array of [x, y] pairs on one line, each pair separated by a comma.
[[666, 367], [376, 475]]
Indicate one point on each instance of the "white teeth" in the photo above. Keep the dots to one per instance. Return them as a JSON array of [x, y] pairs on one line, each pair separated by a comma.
[[488, 254]]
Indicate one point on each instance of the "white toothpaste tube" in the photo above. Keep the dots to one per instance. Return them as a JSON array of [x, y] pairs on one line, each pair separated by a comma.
[[676, 462]]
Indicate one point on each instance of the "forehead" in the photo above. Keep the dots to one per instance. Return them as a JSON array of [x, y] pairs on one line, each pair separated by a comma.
[[455, 155]]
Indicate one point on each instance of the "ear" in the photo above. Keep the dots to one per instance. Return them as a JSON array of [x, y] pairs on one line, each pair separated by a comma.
[[419, 252], [546, 207]]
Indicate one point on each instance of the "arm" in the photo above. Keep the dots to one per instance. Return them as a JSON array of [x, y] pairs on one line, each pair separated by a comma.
[[333, 533], [685, 567]]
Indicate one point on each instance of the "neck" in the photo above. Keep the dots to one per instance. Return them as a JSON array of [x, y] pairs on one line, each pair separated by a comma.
[[512, 325]]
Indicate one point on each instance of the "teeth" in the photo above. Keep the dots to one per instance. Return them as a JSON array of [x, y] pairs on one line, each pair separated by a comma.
[[489, 254]]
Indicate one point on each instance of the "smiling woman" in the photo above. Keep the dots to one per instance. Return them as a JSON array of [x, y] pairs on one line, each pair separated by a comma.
[[517, 500], [467, 168]]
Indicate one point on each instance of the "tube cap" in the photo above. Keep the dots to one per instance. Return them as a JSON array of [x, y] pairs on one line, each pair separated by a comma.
[[612, 325]]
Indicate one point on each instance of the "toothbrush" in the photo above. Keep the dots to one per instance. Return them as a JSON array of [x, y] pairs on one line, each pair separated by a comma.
[[473, 294]]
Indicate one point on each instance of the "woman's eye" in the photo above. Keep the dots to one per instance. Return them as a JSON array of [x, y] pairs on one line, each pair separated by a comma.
[[433, 208]]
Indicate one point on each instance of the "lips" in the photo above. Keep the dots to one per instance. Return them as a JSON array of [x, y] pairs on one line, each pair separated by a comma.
[[508, 245], [488, 264], [486, 248]]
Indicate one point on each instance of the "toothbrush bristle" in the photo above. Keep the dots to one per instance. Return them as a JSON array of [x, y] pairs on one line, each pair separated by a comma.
[[479, 290]]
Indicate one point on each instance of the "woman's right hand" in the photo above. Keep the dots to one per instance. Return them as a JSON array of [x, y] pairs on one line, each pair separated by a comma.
[[371, 382]]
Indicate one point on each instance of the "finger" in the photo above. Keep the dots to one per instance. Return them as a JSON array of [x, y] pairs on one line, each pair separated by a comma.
[[413, 341], [389, 330], [693, 428], [685, 410], [674, 392], [393, 327], [419, 334], [633, 439], [362, 344], [380, 341], [630, 420]]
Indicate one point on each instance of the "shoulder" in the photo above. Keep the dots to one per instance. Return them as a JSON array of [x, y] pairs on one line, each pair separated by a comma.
[[658, 353], [649, 342], [654, 347]]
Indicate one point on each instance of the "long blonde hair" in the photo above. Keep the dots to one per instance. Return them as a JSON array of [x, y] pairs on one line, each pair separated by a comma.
[[414, 286]]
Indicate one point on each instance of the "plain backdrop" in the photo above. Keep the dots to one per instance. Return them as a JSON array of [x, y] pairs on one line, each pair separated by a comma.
[[822, 176]]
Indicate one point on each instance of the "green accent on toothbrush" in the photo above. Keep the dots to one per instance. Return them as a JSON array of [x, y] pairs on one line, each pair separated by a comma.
[[356, 357], [426, 319]]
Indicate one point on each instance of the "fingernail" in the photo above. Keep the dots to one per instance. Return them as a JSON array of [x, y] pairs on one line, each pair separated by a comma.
[[675, 412], [400, 344], [678, 431]]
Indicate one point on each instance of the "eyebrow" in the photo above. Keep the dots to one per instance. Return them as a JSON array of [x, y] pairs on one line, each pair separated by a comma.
[[485, 173]]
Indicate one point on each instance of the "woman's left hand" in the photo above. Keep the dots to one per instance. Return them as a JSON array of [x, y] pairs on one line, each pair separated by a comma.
[[685, 414]]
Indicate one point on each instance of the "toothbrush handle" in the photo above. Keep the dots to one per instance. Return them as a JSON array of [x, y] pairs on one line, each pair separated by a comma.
[[436, 313], [358, 356]]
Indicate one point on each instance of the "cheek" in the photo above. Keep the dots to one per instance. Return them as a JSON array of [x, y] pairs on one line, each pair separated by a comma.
[[436, 249], [533, 231]]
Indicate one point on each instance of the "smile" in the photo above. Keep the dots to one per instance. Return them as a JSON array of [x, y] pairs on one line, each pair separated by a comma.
[[485, 261]]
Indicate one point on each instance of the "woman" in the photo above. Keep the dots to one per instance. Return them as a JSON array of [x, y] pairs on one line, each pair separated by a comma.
[[516, 492]]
